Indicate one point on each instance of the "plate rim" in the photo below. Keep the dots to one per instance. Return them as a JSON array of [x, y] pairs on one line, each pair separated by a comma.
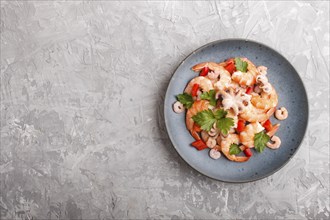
[[255, 42]]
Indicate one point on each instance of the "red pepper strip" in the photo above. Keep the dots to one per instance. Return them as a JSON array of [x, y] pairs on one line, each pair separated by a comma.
[[230, 68], [268, 125], [204, 71], [197, 128], [199, 145], [194, 89], [248, 152], [240, 126], [249, 90]]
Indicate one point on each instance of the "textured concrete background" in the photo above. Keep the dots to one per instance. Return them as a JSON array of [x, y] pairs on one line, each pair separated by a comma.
[[82, 128]]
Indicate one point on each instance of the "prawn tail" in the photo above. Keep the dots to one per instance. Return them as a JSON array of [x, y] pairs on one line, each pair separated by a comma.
[[199, 67], [273, 130]]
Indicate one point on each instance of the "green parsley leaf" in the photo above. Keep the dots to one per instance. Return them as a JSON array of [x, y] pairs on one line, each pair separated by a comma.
[[186, 100], [220, 114], [205, 119], [234, 149], [224, 124], [210, 96], [241, 65], [260, 140]]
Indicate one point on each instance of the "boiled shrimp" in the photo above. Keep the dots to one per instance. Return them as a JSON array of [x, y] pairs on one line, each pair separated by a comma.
[[214, 154], [247, 135], [265, 100], [216, 71], [224, 81], [204, 84], [213, 76], [281, 113], [225, 147], [248, 78], [253, 114], [211, 65], [210, 141], [276, 143], [198, 106]]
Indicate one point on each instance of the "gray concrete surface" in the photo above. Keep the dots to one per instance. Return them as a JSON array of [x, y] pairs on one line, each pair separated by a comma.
[[82, 128]]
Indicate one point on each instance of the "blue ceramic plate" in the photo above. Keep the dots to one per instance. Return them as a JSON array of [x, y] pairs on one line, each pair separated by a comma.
[[292, 95]]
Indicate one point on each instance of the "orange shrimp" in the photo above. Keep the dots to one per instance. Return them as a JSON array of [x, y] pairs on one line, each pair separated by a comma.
[[216, 70], [204, 84], [247, 135], [225, 147], [225, 80], [248, 78], [265, 100], [253, 114], [211, 65], [198, 106]]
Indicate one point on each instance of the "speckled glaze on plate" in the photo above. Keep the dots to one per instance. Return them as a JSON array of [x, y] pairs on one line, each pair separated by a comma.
[[292, 95]]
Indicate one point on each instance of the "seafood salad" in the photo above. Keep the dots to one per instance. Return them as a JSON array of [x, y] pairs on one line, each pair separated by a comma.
[[228, 108]]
